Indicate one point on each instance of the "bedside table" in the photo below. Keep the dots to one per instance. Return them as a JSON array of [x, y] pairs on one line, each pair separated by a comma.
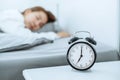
[[99, 71]]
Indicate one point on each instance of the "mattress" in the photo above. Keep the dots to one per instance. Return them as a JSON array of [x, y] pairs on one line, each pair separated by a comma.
[[58, 48]]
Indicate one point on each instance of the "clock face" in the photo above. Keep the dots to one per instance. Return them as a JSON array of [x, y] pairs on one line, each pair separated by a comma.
[[81, 56]]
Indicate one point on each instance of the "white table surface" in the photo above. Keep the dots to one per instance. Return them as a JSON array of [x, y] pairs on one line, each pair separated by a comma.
[[100, 71]]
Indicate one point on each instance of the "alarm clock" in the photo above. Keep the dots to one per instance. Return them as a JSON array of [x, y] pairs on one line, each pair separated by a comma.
[[81, 54]]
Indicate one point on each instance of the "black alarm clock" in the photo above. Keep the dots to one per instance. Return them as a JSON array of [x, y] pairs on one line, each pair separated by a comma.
[[81, 54]]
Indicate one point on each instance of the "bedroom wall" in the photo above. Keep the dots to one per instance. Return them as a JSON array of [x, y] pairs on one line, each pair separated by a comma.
[[100, 17]]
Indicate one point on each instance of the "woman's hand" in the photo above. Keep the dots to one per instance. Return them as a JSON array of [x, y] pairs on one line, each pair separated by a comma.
[[63, 34]]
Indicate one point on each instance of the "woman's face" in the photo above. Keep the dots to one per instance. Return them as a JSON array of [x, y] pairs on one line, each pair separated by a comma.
[[35, 20]]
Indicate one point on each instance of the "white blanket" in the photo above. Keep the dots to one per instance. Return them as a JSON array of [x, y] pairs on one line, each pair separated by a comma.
[[10, 42]]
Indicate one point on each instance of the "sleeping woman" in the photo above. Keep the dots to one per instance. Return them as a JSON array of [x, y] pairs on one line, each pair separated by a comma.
[[22, 24]]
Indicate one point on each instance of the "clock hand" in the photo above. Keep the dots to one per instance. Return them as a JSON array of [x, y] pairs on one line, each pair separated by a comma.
[[80, 55], [81, 50]]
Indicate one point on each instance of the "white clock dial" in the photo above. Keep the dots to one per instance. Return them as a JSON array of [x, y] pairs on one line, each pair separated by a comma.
[[81, 55]]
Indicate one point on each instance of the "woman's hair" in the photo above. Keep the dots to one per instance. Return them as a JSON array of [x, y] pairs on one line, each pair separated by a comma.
[[51, 17]]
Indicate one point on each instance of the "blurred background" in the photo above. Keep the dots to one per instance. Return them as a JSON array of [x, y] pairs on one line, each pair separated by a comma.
[[100, 17]]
